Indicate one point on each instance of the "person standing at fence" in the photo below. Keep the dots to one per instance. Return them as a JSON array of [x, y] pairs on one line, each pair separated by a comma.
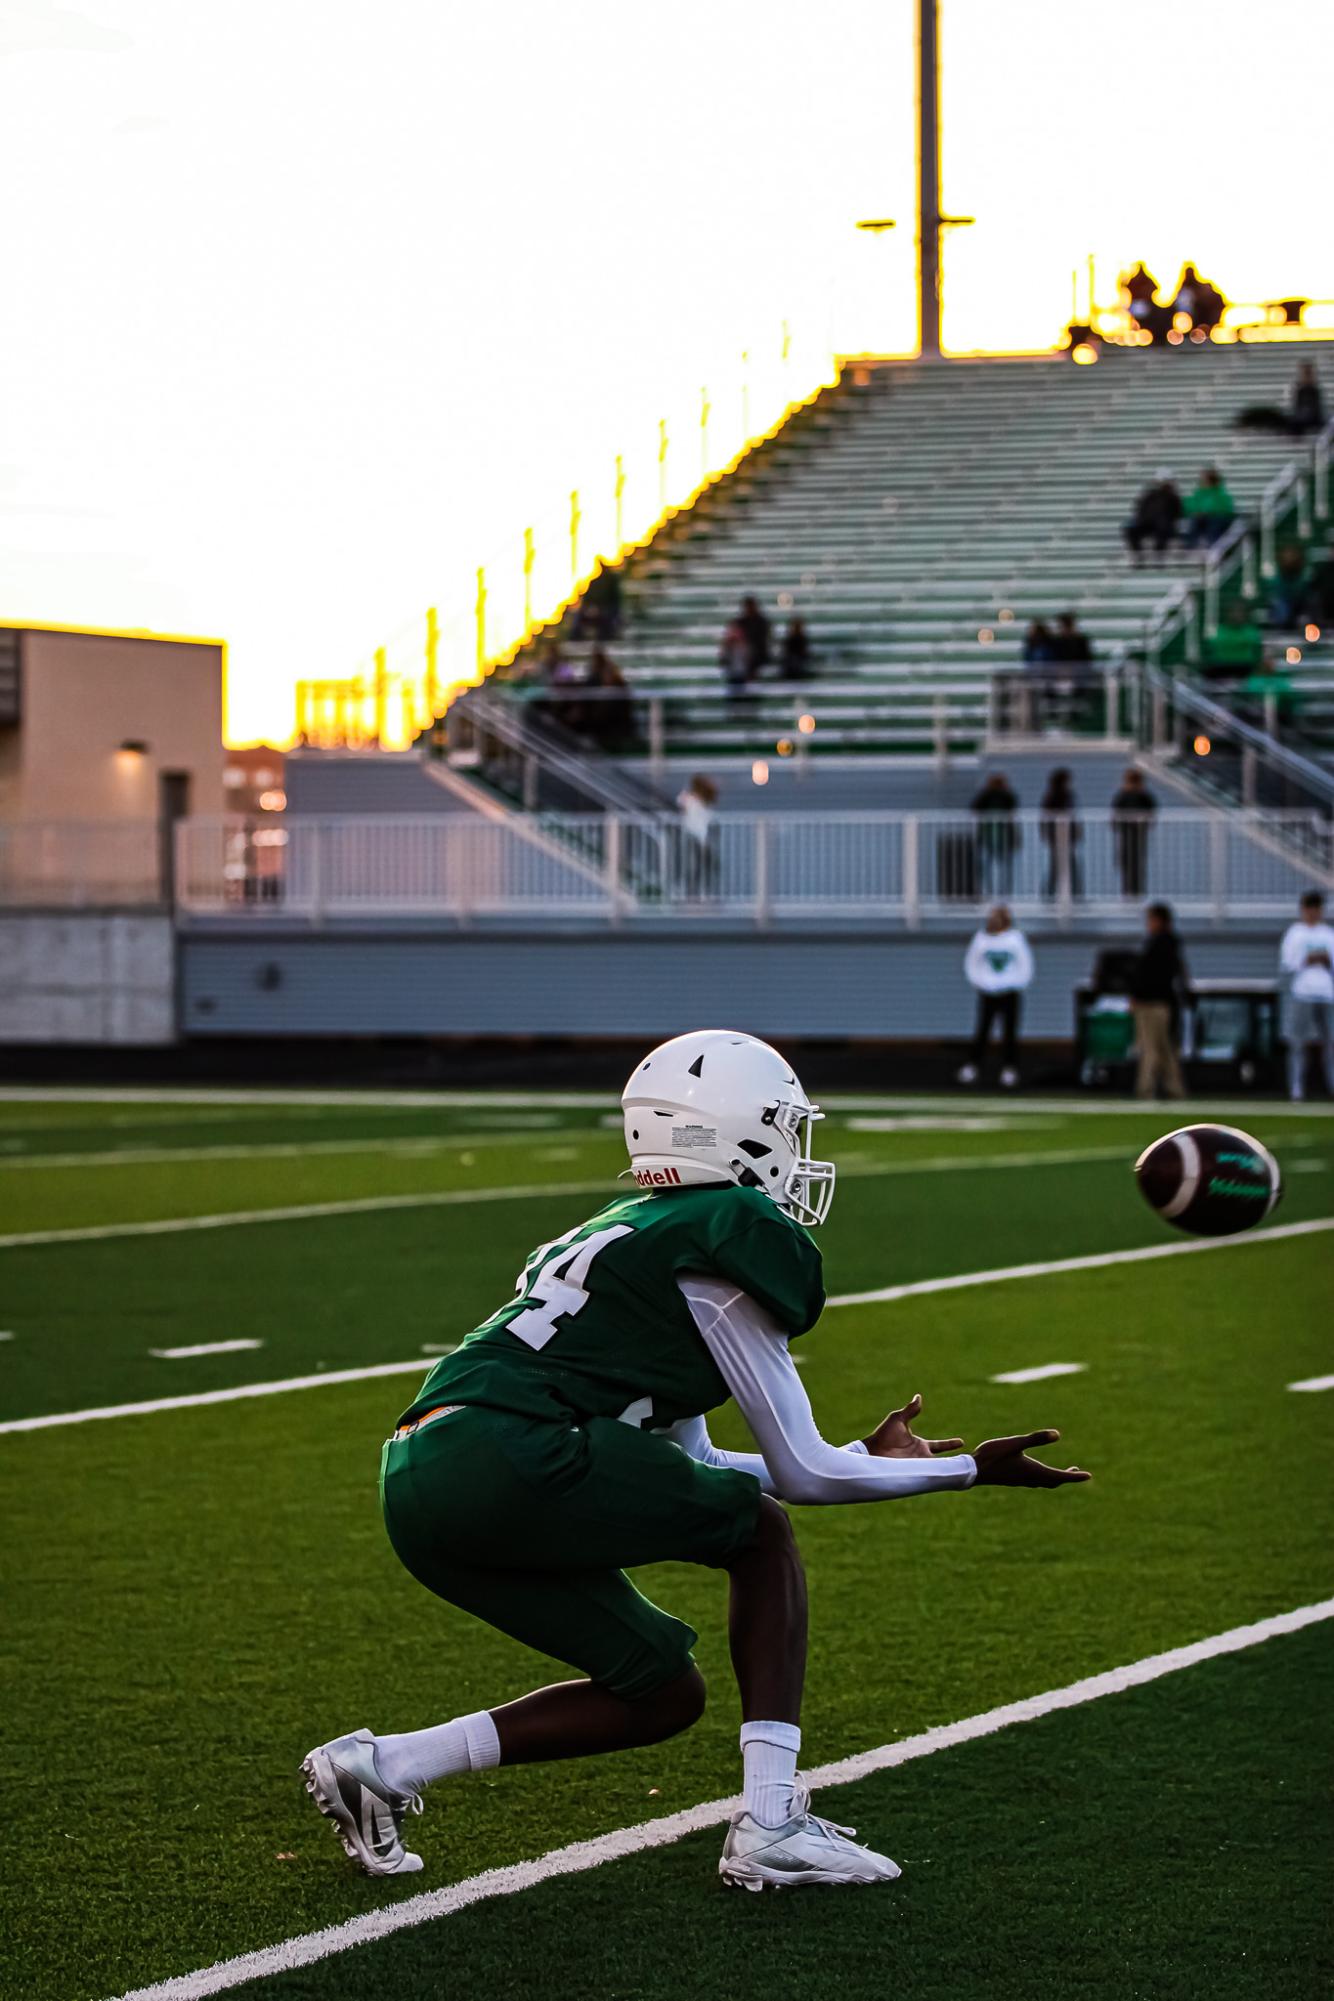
[[1061, 835], [1159, 986], [1306, 961], [1133, 808], [999, 967], [997, 836], [699, 836]]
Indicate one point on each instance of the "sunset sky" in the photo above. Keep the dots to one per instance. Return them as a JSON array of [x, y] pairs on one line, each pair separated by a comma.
[[310, 308]]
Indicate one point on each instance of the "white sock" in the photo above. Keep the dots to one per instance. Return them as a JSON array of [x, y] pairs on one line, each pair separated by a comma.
[[769, 1757], [413, 1759]]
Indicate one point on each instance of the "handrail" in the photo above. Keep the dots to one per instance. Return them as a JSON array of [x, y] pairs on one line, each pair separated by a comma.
[[1186, 699], [553, 749]]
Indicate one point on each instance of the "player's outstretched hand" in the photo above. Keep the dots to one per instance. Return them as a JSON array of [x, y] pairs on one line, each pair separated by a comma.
[[895, 1438], [1004, 1462]]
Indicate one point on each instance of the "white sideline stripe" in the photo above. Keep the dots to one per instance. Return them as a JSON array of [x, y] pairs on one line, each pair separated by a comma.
[[1141, 1255], [203, 1348], [438, 1198], [1041, 1373], [1314, 1383], [235, 1394], [581, 1856], [602, 1101]]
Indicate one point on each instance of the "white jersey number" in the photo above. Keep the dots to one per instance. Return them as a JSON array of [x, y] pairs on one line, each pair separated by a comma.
[[558, 1286]]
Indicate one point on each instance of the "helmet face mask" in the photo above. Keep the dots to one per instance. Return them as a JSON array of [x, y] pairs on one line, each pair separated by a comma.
[[715, 1106]]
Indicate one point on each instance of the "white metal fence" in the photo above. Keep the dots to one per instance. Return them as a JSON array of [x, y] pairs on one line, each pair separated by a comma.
[[764, 868]]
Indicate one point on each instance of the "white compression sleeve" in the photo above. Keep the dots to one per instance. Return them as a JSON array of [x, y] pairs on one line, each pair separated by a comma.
[[752, 1355]]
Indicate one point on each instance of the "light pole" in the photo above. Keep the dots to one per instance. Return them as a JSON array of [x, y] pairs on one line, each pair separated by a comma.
[[930, 221]]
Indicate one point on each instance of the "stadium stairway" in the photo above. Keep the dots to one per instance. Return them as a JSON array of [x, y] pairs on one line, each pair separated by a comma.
[[917, 516]]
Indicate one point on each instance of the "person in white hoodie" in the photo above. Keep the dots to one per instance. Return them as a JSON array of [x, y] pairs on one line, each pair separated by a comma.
[[1306, 961], [999, 965]]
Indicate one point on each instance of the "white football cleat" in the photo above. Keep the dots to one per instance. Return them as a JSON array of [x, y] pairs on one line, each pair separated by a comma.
[[968, 1074], [1009, 1078], [342, 1779], [804, 1850]]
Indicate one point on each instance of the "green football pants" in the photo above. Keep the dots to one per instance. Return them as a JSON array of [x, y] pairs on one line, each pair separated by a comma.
[[530, 1525]]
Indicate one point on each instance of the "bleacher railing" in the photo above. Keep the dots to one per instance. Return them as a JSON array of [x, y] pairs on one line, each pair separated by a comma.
[[763, 869]]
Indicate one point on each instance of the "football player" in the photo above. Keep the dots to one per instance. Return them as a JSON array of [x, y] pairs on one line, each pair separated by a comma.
[[565, 1442]]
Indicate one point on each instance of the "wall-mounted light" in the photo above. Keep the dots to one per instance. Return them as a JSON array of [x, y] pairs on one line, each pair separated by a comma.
[[133, 746]]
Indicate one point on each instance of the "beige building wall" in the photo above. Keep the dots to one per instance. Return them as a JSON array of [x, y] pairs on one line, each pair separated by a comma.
[[86, 694]]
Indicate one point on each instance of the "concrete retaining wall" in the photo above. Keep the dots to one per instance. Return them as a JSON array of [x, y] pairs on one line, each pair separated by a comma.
[[87, 978]]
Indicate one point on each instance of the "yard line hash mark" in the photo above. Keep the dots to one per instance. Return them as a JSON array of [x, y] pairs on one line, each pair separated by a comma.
[[581, 1856], [203, 1348], [1041, 1373], [1313, 1383]]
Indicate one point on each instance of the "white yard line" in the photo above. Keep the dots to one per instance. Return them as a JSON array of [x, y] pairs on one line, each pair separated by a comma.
[[436, 1198], [203, 1348], [237, 1393], [406, 1149], [1040, 1374], [1142, 1254], [886, 1294], [301, 1212], [1314, 1383], [581, 1856]]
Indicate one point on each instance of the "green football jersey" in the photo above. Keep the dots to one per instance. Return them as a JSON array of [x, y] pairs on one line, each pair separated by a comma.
[[598, 1326]]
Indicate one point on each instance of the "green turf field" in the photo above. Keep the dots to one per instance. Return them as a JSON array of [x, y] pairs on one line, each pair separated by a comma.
[[195, 1595]]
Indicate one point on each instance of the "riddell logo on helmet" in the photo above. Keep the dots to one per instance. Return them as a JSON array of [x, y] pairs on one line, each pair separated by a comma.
[[657, 1177]]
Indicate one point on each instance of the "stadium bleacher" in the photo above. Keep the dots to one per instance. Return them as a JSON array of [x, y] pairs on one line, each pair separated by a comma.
[[919, 515]]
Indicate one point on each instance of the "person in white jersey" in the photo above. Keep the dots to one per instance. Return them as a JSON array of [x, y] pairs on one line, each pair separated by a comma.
[[999, 966], [1306, 962]]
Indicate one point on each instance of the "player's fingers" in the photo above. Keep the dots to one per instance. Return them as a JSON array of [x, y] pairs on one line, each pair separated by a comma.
[[946, 1444], [1038, 1438], [912, 1408]]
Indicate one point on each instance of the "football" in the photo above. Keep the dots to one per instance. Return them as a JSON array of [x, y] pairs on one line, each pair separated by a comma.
[[1209, 1180]]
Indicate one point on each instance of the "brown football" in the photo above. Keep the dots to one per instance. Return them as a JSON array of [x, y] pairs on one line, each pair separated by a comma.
[[1209, 1180]]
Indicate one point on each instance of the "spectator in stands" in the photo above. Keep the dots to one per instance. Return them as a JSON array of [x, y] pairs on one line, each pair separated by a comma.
[[1267, 697], [794, 659], [1061, 833], [1133, 808], [1308, 404], [1159, 985], [997, 838], [1210, 510], [1237, 648], [1290, 590], [1157, 515], [999, 966], [609, 716], [1141, 290], [734, 657], [699, 836], [1039, 647], [1306, 964], [599, 615], [755, 626], [1070, 646], [1201, 302]]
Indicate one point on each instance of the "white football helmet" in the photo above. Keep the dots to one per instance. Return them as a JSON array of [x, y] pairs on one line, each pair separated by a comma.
[[716, 1105]]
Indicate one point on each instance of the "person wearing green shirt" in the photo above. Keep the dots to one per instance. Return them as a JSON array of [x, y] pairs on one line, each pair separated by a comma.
[[1210, 510], [564, 1441], [1237, 647]]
